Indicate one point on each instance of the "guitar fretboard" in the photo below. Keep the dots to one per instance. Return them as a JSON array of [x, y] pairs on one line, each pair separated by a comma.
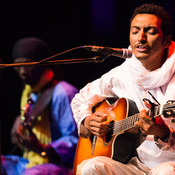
[[127, 123]]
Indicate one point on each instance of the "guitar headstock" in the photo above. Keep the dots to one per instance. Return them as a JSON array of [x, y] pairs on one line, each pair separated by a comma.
[[169, 109]]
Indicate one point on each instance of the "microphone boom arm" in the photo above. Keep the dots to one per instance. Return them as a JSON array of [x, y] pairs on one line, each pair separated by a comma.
[[96, 59]]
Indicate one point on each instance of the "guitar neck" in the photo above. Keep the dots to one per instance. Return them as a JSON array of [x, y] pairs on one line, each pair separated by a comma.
[[123, 125], [127, 123]]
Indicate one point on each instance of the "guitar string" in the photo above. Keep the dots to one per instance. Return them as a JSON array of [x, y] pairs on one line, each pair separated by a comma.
[[124, 126], [157, 110], [128, 122]]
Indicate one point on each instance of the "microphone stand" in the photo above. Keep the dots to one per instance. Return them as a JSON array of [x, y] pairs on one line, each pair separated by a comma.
[[95, 59], [47, 61]]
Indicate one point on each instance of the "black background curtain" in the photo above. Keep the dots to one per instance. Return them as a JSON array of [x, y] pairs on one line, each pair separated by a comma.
[[63, 25]]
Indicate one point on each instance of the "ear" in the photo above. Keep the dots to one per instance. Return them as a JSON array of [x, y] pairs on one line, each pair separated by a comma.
[[167, 41]]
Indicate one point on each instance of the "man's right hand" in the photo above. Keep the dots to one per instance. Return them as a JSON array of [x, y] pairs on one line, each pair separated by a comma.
[[96, 123]]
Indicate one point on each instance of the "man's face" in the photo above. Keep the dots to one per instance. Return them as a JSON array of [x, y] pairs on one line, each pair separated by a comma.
[[146, 38], [29, 74]]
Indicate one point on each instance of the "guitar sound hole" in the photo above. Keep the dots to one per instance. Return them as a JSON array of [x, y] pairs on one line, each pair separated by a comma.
[[109, 132]]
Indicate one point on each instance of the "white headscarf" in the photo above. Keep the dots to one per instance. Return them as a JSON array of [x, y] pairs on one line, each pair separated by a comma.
[[163, 77]]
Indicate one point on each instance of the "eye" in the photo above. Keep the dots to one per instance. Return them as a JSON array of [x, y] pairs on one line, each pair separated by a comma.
[[134, 30], [151, 30]]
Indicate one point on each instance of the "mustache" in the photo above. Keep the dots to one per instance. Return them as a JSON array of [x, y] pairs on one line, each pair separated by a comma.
[[139, 45]]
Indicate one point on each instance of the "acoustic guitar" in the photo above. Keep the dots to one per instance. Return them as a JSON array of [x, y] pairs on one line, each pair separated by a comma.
[[121, 116]]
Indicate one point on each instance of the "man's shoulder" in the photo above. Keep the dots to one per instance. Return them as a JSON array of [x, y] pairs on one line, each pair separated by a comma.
[[65, 88]]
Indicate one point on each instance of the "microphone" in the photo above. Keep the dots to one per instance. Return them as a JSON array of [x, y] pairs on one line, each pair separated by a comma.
[[123, 53]]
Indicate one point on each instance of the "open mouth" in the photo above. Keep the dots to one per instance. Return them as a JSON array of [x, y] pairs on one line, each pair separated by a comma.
[[142, 48]]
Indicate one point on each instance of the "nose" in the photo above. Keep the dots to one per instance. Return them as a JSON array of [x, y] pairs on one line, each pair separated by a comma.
[[142, 37], [22, 69]]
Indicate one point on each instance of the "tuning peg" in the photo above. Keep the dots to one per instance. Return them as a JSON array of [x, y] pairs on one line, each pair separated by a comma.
[[172, 120], [170, 102]]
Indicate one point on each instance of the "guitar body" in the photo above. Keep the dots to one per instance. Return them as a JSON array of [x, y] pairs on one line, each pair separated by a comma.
[[103, 146]]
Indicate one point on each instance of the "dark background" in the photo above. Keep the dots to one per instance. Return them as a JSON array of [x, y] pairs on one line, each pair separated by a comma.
[[64, 25]]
